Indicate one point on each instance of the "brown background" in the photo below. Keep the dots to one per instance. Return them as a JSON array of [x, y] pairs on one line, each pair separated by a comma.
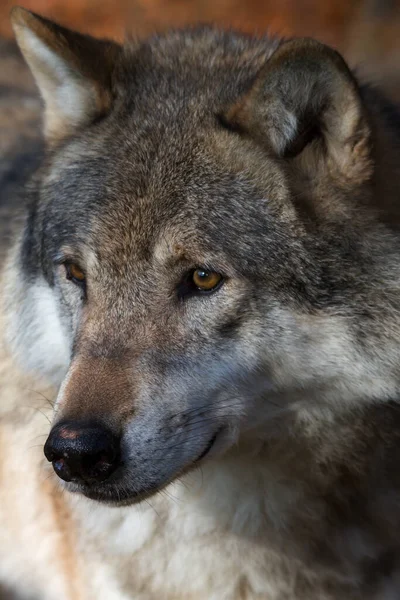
[[366, 31]]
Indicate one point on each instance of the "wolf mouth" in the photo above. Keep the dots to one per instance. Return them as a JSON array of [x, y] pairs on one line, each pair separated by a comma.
[[208, 447], [114, 495]]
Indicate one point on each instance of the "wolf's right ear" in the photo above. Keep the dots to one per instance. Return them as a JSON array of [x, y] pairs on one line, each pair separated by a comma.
[[73, 72]]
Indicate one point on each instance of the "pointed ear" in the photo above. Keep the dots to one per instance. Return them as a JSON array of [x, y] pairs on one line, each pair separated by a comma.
[[73, 72], [306, 97]]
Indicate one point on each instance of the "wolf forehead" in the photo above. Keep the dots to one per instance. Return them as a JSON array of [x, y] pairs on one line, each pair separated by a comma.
[[182, 204], [196, 185], [160, 162]]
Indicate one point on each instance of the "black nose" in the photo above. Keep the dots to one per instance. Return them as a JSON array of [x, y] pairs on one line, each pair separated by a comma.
[[82, 452]]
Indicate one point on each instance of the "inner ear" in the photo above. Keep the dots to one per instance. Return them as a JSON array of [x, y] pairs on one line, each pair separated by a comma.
[[73, 72], [308, 129], [306, 92]]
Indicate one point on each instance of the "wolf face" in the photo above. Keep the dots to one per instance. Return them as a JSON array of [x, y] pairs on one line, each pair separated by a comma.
[[198, 250]]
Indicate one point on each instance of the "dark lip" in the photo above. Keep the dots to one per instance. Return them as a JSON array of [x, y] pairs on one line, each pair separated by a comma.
[[110, 494], [208, 447], [116, 499]]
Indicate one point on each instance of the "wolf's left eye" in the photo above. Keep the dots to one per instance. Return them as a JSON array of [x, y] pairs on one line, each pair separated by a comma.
[[75, 274], [200, 281], [206, 281]]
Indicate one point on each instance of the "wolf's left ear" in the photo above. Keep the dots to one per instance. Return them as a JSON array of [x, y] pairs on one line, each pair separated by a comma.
[[306, 97], [73, 71]]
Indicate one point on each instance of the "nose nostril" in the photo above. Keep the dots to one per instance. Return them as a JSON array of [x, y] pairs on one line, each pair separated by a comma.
[[49, 454], [82, 452], [62, 469]]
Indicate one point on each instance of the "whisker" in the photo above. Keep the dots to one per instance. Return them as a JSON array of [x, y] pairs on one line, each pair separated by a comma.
[[38, 410], [40, 435], [165, 492], [179, 444], [151, 506], [233, 402], [187, 412], [43, 396]]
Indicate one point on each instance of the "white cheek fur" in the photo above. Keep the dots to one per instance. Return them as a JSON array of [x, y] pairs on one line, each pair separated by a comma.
[[35, 331]]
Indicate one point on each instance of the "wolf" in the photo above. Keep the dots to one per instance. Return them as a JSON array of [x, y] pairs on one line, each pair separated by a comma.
[[200, 320]]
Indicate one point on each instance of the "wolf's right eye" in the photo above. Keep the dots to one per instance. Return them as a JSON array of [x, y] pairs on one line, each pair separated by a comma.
[[75, 274]]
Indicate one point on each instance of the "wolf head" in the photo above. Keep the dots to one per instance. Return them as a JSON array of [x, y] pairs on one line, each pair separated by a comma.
[[203, 252]]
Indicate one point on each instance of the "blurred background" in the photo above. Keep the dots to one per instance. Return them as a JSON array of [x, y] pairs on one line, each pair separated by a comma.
[[367, 32]]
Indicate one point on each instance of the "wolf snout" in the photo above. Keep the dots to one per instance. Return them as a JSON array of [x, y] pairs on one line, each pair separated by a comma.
[[82, 452]]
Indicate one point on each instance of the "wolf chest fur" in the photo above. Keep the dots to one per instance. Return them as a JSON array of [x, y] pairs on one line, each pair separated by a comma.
[[200, 321]]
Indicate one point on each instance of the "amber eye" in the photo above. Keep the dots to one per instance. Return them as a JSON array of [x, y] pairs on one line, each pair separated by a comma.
[[206, 281], [75, 273]]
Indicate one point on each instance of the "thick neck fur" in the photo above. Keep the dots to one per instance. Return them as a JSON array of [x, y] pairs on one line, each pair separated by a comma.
[[314, 512]]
